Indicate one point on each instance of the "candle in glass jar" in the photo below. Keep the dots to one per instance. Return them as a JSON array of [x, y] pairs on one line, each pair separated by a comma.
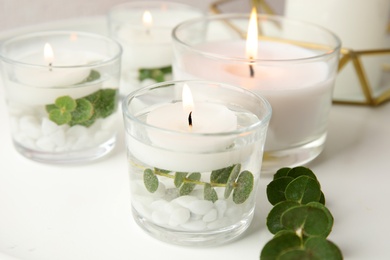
[[51, 69]]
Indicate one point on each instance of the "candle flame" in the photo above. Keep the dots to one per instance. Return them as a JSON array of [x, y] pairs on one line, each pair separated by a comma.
[[188, 101], [147, 19], [252, 36], [48, 54]]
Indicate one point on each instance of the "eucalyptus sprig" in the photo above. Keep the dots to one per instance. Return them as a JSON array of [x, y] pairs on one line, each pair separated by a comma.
[[299, 219], [231, 178], [83, 111], [157, 74]]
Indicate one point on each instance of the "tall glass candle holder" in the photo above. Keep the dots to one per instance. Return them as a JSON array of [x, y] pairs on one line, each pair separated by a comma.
[[62, 92], [295, 69], [144, 29], [194, 152]]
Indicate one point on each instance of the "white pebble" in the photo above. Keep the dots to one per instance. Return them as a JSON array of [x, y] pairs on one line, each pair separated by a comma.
[[179, 216], [197, 225], [82, 142], [48, 126], [210, 216], [234, 213], [77, 131], [58, 138], [158, 205], [221, 207], [110, 123], [160, 217], [141, 209], [185, 200], [200, 207], [45, 143], [30, 126]]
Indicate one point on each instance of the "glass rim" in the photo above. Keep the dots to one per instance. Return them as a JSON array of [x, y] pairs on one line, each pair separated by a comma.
[[266, 17], [152, 4], [265, 120], [49, 33]]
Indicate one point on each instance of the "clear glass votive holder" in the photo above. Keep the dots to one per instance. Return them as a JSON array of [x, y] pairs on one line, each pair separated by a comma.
[[295, 70], [62, 93], [144, 29], [194, 169]]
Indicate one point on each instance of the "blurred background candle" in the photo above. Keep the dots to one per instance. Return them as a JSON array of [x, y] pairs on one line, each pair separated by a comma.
[[144, 30], [295, 72], [361, 25]]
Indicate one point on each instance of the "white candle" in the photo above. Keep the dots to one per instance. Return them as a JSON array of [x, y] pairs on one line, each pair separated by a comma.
[[146, 39], [182, 147], [49, 74], [299, 93], [361, 25], [206, 118]]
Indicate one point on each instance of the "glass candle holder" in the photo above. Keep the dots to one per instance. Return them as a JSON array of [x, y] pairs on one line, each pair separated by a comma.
[[62, 93], [144, 30], [294, 70], [194, 166]]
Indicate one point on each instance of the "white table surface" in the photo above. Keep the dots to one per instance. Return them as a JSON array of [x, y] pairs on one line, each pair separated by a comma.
[[83, 211]]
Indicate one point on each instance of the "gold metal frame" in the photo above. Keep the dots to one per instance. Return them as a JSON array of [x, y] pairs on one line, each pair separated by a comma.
[[347, 55]]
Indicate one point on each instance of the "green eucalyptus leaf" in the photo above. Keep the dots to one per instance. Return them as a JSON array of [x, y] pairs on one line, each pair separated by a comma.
[[295, 254], [209, 193], [320, 248], [274, 223], [188, 187], [301, 171], [282, 172], [322, 198], [106, 105], [150, 181], [279, 245], [83, 111], [179, 178], [326, 211], [65, 104], [157, 75], [221, 175], [232, 180], [276, 189], [50, 107], [303, 189], [93, 75], [243, 188], [308, 220], [60, 117]]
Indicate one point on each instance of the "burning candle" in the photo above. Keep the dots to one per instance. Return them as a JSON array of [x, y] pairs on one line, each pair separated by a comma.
[[295, 74], [144, 30], [195, 118]]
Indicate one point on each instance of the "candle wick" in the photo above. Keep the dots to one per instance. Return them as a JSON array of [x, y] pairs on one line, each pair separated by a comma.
[[190, 119], [50, 64], [251, 70]]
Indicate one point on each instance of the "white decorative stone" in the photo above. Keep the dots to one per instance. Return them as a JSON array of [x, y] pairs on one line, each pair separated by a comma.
[[221, 206], [58, 138], [200, 207], [158, 205], [45, 143], [160, 217], [185, 201], [210, 216], [179, 216], [30, 126], [48, 126]]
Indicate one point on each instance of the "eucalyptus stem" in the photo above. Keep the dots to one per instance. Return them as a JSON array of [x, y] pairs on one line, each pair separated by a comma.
[[186, 180]]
